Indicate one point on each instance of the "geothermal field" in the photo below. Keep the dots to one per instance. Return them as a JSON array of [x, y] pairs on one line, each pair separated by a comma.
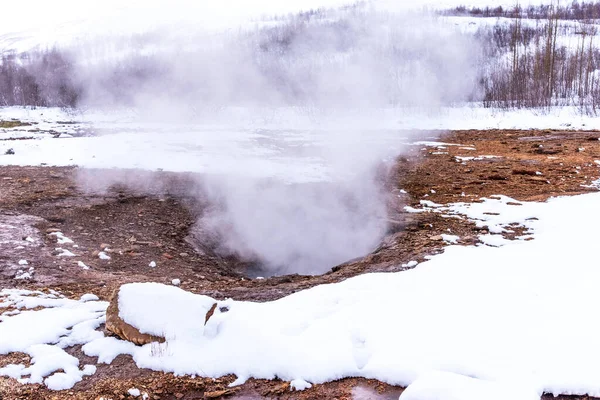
[[299, 200]]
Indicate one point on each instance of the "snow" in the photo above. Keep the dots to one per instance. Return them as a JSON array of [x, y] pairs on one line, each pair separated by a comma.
[[268, 147], [450, 238], [44, 333], [65, 22], [176, 282], [82, 265], [103, 256], [333, 331], [299, 384], [165, 301], [496, 214], [61, 238], [23, 262], [64, 252], [135, 392], [472, 322], [152, 264], [449, 386], [88, 297], [22, 275], [478, 158]]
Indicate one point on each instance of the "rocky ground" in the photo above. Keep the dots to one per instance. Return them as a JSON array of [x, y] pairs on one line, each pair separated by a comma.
[[135, 224]]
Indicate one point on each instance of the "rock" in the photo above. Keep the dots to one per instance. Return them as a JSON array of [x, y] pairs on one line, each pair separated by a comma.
[[436, 238], [523, 172], [122, 329], [210, 313], [219, 393]]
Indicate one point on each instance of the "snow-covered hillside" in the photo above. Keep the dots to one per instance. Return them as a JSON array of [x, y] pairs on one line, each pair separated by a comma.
[[38, 23]]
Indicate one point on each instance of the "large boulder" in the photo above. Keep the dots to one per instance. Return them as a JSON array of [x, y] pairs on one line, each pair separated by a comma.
[[152, 312], [122, 329]]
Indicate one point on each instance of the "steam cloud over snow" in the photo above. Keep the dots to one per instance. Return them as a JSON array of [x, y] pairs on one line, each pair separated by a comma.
[[328, 74]]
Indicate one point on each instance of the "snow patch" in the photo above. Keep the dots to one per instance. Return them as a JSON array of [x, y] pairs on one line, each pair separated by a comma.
[[82, 265], [64, 252], [43, 335], [299, 384], [453, 239], [60, 238]]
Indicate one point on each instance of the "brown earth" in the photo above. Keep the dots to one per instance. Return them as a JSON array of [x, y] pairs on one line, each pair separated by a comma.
[[152, 222]]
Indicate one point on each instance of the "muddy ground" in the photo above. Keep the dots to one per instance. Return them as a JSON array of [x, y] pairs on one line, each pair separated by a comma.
[[138, 224]]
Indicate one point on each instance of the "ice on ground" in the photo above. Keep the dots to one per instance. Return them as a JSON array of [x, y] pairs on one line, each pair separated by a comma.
[[437, 385]]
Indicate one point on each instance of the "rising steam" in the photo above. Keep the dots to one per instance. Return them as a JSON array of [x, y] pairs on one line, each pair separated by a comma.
[[333, 75]]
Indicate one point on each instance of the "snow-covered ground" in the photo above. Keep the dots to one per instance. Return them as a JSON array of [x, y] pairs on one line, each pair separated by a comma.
[[508, 316], [288, 144]]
